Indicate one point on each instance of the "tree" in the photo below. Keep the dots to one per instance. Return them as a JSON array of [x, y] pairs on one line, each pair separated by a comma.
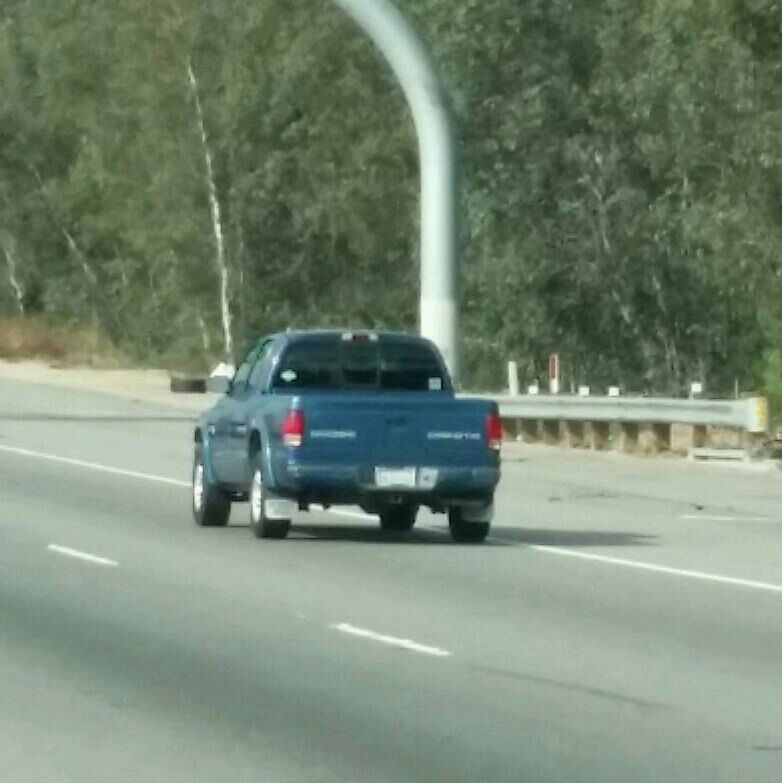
[[184, 175]]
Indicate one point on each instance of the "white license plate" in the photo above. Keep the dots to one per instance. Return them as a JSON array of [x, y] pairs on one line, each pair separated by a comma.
[[395, 477]]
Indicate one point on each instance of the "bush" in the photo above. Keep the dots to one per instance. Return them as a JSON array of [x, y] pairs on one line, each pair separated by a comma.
[[39, 338]]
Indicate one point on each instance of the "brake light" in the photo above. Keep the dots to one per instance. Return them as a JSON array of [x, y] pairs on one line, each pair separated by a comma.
[[293, 428], [494, 430]]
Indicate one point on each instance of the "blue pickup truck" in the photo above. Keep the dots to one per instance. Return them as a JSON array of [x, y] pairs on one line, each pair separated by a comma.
[[346, 418]]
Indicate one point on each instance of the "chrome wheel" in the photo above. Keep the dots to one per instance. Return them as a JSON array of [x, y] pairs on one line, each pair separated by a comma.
[[260, 524], [198, 486], [256, 496]]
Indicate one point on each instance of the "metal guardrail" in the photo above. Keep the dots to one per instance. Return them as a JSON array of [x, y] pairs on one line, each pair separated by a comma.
[[749, 414]]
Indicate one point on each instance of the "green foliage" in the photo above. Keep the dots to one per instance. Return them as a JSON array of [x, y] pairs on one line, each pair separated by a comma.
[[621, 171]]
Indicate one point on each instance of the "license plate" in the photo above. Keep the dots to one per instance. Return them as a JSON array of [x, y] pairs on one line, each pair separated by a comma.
[[395, 477]]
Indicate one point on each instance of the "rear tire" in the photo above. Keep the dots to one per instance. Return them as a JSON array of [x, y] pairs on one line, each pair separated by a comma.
[[211, 506], [464, 532], [260, 524], [398, 519]]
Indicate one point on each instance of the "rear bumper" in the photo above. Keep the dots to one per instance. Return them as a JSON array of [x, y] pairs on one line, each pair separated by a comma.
[[356, 484]]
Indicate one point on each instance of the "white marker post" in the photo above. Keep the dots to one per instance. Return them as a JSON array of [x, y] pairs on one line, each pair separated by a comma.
[[513, 379]]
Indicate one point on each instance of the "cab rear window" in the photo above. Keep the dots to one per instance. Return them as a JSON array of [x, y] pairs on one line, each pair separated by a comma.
[[390, 365]]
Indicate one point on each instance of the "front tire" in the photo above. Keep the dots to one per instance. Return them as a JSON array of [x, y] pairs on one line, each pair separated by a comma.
[[211, 506], [464, 532], [398, 519], [260, 524]]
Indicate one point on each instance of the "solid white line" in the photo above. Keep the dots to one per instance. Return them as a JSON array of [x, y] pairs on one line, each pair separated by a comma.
[[94, 466], [393, 641], [715, 518], [149, 477], [683, 572], [68, 552], [701, 575]]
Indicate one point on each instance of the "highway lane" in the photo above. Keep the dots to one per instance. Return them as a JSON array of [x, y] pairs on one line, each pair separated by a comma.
[[206, 655]]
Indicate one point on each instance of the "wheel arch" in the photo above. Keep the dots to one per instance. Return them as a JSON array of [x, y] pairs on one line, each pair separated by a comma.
[[258, 444], [201, 441]]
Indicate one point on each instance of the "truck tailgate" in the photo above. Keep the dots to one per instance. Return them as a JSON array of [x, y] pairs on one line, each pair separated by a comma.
[[396, 430]]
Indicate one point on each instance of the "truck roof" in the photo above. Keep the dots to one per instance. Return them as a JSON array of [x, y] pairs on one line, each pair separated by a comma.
[[308, 334]]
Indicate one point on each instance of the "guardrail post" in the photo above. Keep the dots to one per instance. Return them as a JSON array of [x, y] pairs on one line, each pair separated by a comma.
[[551, 434], [681, 439], [530, 430], [574, 433], [510, 428], [700, 436], [662, 436], [599, 435], [628, 441]]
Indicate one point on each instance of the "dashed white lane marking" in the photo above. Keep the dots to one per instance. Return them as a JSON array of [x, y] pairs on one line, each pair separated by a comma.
[[392, 641], [717, 518], [616, 561], [86, 556], [683, 572], [94, 466]]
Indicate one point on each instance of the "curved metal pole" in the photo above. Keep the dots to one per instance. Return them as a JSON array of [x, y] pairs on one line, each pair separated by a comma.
[[414, 67]]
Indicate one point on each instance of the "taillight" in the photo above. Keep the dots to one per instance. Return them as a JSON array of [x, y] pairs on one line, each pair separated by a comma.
[[494, 430], [293, 428]]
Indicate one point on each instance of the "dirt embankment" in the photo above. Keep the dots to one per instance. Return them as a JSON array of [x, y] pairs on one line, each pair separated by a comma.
[[147, 386]]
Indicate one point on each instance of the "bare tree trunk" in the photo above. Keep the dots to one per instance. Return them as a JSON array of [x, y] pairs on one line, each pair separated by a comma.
[[217, 218], [77, 252], [93, 291], [205, 341], [73, 245], [14, 280]]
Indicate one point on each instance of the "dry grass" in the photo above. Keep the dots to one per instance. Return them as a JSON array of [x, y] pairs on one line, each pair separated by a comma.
[[37, 338]]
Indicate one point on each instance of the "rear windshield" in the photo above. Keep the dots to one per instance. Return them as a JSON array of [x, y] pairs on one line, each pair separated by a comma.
[[351, 364]]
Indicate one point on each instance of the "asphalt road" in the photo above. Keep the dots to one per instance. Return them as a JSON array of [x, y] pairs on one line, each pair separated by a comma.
[[624, 622]]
